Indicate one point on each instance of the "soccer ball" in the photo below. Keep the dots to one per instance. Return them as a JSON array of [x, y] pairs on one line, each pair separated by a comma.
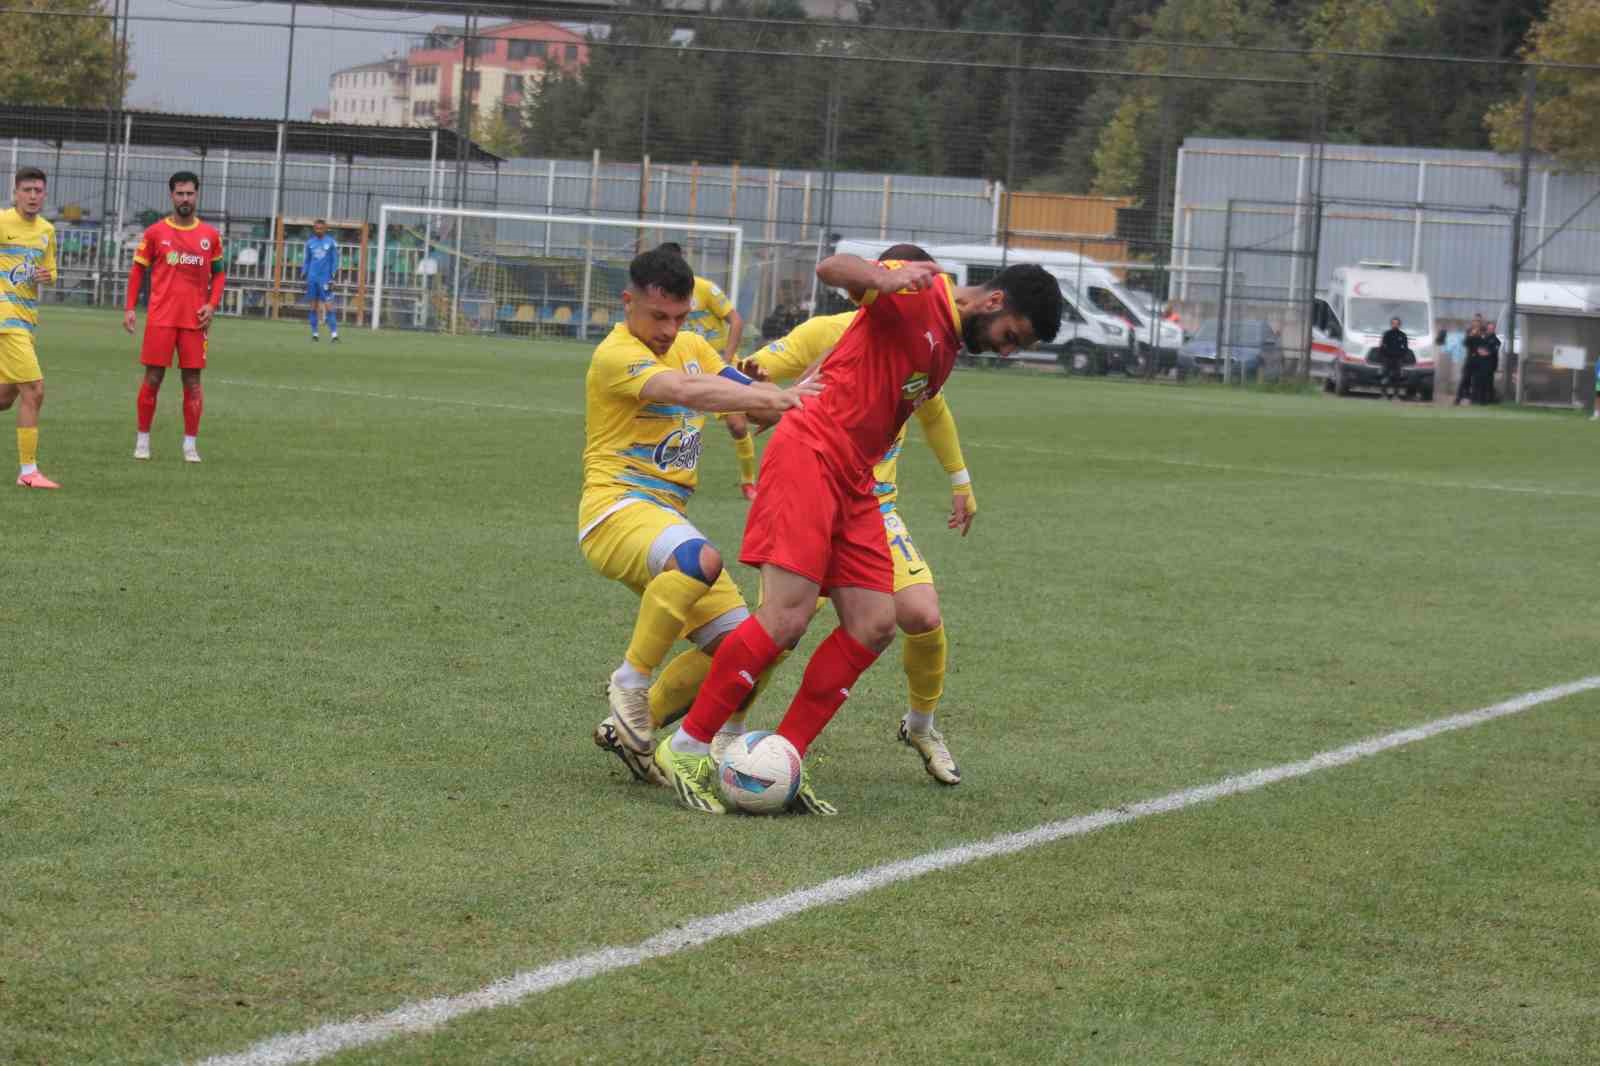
[[760, 773]]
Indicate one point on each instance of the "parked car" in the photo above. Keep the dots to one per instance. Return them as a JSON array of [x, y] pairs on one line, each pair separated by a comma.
[[1252, 349]]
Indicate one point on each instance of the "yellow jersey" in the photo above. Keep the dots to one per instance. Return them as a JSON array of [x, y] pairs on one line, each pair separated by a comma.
[[709, 311], [787, 358], [25, 249], [636, 450]]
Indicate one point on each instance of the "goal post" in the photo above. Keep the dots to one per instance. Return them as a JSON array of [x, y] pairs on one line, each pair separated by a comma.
[[461, 270]]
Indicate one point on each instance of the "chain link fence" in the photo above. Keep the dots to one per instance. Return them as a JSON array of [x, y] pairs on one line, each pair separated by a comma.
[[1195, 199]]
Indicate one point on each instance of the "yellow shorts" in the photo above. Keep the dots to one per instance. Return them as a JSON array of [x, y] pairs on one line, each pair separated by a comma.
[[18, 364], [619, 548], [910, 568]]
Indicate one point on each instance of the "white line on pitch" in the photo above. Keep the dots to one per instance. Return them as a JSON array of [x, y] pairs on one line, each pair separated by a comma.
[[1280, 471], [325, 1040], [366, 395]]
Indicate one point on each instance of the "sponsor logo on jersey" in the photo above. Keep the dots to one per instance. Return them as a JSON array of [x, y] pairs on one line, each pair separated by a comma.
[[640, 366], [679, 449], [914, 386], [23, 273], [176, 258]]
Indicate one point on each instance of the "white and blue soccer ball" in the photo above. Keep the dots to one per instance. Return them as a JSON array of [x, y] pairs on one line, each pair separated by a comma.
[[760, 773]]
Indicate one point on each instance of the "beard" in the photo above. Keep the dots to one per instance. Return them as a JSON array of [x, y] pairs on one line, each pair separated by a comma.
[[975, 331], [183, 210]]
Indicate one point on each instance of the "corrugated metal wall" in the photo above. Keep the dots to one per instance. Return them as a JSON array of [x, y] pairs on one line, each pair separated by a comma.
[[1455, 225]]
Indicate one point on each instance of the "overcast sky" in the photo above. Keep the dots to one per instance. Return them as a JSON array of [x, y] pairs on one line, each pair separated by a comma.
[[208, 59]]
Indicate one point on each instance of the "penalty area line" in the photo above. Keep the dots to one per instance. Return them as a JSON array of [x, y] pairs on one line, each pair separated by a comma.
[[324, 1040]]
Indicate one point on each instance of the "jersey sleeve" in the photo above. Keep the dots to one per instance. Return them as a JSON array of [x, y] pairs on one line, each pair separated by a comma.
[[713, 299], [48, 260], [939, 426], [619, 372], [141, 254]]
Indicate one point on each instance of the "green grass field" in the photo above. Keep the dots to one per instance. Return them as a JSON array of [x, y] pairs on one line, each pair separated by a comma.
[[302, 734]]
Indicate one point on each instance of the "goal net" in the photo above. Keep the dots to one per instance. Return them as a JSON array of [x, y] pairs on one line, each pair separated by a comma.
[[455, 270]]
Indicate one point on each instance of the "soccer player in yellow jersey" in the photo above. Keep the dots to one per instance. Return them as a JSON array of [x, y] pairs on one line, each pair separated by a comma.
[[649, 386], [27, 260], [714, 317], [916, 603]]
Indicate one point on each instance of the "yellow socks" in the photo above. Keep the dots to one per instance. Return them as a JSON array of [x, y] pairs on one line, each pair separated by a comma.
[[27, 445], [666, 603], [745, 448], [924, 657], [674, 690]]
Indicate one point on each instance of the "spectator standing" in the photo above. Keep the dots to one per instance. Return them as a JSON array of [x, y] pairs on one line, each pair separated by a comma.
[[1469, 365], [1393, 350], [1488, 364]]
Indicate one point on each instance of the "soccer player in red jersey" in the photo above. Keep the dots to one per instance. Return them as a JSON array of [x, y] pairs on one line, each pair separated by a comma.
[[815, 523], [187, 271]]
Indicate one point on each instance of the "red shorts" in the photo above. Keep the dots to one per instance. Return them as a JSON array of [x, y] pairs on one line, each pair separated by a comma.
[[810, 521], [161, 341]]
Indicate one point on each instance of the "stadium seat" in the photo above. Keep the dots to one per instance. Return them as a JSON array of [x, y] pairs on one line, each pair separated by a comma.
[[526, 313]]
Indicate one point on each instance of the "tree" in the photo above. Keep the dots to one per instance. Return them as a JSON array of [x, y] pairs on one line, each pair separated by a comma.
[[500, 131], [1566, 121], [62, 53]]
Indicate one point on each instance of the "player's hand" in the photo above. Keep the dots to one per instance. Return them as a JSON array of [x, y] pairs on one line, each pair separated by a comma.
[[43, 275], [204, 316], [130, 320], [963, 509], [751, 369], [909, 276]]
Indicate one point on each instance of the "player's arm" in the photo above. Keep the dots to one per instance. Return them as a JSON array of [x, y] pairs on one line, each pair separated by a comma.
[[730, 351], [724, 392], [219, 279], [939, 426], [45, 273], [863, 279], [130, 317]]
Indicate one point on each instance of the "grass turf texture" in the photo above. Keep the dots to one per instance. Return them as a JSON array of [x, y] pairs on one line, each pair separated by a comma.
[[302, 733]]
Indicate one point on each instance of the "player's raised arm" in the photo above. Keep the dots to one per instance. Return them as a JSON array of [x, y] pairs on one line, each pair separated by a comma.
[[858, 276], [727, 391]]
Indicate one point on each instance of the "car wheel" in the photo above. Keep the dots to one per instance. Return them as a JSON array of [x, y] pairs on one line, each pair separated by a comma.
[[1341, 386]]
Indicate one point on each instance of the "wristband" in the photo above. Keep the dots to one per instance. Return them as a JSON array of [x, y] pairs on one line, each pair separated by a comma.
[[733, 375], [961, 479]]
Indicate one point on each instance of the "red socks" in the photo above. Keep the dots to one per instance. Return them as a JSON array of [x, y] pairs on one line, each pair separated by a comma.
[[146, 406], [834, 667], [740, 659], [193, 401]]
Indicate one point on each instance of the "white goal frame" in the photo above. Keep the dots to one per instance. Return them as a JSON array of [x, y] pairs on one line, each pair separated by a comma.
[[635, 224]]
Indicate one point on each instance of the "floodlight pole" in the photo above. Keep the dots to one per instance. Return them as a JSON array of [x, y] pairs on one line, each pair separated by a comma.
[[1516, 238]]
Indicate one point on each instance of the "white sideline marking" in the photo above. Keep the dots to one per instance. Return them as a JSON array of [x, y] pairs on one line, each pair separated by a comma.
[[366, 395], [1280, 471], [314, 1044]]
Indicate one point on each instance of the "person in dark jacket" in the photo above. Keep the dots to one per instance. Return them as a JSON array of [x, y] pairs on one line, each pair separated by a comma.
[[1488, 364], [1469, 365], [1395, 351]]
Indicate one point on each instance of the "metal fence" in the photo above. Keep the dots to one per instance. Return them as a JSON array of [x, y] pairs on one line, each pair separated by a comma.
[[1222, 192]]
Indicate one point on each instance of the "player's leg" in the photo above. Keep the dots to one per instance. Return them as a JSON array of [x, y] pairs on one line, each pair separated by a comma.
[[1595, 414], [743, 657], [314, 298], [672, 566], [744, 446], [145, 408], [22, 384], [192, 347], [330, 314]]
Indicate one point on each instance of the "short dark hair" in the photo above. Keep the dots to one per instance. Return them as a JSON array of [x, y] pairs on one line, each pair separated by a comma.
[[1034, 294], [671, 246], [320, 222], [661, 269], [30, 174], [183, 176], [906, 253]]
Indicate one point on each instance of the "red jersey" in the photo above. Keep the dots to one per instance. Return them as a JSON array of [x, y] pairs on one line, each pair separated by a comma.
[[898, 352], [181, 261]]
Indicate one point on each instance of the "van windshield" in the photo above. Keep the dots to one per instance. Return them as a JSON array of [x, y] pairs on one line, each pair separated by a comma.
[[1107, 301], [1372, 316]]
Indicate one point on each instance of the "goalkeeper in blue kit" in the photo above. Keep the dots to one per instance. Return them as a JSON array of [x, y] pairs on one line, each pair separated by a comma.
[[322, 259]]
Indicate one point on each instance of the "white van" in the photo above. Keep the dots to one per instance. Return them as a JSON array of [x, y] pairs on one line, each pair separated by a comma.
[[1349, 320], [1105, 325]]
